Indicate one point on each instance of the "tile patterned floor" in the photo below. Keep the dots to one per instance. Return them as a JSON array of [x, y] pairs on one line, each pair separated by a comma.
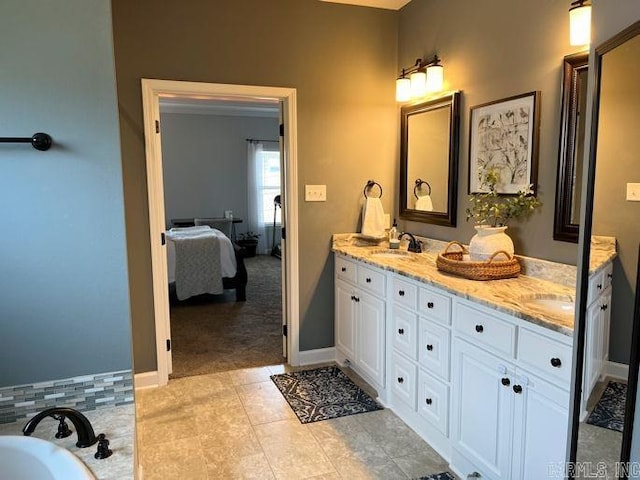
[[237, 425]]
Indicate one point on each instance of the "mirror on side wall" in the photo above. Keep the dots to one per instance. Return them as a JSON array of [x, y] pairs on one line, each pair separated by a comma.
[[572, 136], [604, 409], [429, 133]]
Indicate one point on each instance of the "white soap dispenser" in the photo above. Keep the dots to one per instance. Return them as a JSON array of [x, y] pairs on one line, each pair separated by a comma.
[[393, 235]]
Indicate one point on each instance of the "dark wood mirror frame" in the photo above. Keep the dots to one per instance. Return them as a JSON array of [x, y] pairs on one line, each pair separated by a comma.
[[587, 217], [564, 228], [447, 218]]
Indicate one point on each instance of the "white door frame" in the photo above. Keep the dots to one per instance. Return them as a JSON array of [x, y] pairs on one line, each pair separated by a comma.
[[152, 90]]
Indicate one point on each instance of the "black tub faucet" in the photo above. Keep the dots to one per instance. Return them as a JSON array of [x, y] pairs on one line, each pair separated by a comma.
[[86, 435], [415, 245]]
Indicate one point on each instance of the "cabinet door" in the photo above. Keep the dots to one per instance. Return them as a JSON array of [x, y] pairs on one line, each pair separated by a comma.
[[483, 409], [592, 339], [541, 419], [345, 321], [371, 335], [606, 324]]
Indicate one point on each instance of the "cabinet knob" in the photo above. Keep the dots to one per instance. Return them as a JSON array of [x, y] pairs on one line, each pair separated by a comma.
[[479, 328], [368, 280], [401, 293], [357, 299], [556, 362], [353, 298], [609, 275], [429, 304], [344, 269], [517, 389], [400, 380], [428, 401], [429, 347], [505, 381], [401, 331]]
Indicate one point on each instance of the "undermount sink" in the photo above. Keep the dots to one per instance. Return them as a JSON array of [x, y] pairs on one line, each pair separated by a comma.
[[390, 254], [557, 304]]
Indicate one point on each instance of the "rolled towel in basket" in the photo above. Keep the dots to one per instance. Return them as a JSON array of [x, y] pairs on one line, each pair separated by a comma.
[[373, 223]]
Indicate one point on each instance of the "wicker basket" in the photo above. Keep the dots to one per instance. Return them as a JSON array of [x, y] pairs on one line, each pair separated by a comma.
[[492, 269]]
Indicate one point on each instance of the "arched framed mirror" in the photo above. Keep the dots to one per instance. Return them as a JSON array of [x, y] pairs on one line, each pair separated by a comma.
[[429, 134], [572, 135], [612, 164]]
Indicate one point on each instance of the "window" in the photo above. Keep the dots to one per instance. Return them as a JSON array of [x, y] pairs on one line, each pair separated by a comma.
[[270, 185]]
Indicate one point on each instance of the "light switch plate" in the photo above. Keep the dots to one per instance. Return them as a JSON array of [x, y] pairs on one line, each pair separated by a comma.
[[633, 192], [315, 193]]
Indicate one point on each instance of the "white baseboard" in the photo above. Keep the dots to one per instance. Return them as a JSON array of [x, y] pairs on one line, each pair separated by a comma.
[[616, 370], [146, 380], [320, 355]]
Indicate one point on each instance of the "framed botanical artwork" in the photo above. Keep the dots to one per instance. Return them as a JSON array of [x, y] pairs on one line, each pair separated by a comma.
[[503, 139]]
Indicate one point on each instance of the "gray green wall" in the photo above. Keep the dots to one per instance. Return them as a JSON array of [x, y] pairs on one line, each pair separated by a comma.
[[342, 61], [493, 50], [64, 305]]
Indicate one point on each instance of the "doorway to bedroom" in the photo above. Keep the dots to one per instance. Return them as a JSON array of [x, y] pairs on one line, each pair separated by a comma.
[[223, 332]]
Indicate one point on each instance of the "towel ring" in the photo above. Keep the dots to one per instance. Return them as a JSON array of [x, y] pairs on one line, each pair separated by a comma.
[[419, 183], [370, 184]]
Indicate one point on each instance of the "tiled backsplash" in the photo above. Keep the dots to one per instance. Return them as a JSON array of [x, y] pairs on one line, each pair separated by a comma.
[[87, 392]]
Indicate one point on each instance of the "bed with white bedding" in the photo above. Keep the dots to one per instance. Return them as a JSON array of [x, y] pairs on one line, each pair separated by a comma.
[[202, 260]]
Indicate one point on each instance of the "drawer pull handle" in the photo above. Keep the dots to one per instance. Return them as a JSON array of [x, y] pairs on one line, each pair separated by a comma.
[[356, 299], [368, 280], [353, 299], [479, 328], [556, 362], [506, 382], [429, 304], [599, 286], [517, 389], [401, 293], [344, 269], [429, 347], [401, 331], [400, 380], [609, 275], [429, 401], [604, 306]]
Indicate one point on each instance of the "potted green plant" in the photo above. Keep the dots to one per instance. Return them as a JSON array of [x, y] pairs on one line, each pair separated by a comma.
[[249, 242], [492, 213]]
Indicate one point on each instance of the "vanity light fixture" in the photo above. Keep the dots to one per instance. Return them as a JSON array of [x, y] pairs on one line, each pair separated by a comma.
[[580, 23], [423, 77]]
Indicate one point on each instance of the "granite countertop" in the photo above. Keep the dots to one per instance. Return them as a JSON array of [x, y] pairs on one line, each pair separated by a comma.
[[117, 423], [506, 295]]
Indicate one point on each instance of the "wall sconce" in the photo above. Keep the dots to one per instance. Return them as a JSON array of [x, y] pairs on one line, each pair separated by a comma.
[[423, 77], [580, 23]]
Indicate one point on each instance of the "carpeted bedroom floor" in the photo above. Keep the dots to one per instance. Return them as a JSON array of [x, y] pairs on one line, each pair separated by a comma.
[[211, 334]]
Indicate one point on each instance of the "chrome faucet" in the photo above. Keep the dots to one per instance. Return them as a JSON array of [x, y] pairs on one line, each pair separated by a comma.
[[86, 435], [415, 245]]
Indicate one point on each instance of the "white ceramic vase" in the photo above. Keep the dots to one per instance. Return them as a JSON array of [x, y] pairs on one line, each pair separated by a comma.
[[487, 241]]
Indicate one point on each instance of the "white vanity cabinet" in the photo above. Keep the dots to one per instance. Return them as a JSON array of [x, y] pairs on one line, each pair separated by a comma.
[[598, 320], [510, 395], [360, 311], [419, 379]]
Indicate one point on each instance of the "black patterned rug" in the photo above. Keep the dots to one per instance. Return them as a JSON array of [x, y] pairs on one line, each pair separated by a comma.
[[609, 411], [438, 476], [322, 394]]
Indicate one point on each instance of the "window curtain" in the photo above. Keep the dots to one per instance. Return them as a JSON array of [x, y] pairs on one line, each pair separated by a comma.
[[254, 184]]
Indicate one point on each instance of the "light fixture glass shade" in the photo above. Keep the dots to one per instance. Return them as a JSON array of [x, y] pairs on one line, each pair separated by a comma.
[[403, 89], [418, 84], [580, 25], [435, 78]]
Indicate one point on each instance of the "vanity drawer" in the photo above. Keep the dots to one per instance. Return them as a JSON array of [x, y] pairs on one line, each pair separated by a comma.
[[405, 293], [596, 286], [345, 269], [371, 280], [404, 378], [433, 401], [545, 355], [405, 332], [435, 305], [434, 348], [484, 329]]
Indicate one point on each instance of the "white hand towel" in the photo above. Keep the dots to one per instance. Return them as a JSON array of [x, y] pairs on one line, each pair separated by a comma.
[[424, 203], [373, 217]]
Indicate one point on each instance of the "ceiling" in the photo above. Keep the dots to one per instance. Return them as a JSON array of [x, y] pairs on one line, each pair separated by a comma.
[[388, 4]]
